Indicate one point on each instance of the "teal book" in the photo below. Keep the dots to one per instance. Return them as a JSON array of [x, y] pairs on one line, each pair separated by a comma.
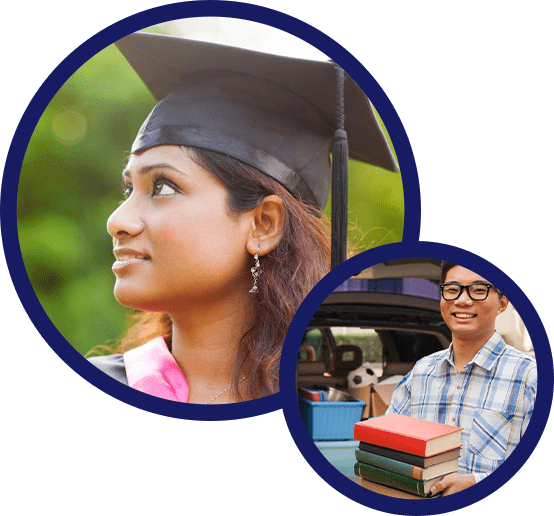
[[405, 469], [388, 478]]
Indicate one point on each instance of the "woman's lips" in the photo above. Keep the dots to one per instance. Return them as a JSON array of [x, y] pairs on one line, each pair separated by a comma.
[[126, 258], [128, 261]]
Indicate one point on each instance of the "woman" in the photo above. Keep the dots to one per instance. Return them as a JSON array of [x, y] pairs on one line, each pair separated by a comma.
[[221, 234]]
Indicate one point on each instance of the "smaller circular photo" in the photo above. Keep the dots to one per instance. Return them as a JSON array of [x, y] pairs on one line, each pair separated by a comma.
[[416, 379]]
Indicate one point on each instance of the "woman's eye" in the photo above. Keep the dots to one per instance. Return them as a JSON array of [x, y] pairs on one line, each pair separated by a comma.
[[162, 188], [127, 189]]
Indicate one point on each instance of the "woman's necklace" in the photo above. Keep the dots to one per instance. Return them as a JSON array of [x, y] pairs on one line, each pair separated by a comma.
[[223, 392]]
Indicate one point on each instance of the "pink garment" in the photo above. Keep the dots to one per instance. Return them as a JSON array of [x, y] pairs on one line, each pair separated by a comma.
[[152, 369]]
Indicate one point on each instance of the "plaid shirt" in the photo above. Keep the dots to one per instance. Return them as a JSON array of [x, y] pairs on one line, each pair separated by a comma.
[[492, 399]]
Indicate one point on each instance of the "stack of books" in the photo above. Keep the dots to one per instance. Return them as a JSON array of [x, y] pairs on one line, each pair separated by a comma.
[[406, 453]]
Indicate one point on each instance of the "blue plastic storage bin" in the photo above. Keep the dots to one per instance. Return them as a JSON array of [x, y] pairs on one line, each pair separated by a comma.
[[330, 420]]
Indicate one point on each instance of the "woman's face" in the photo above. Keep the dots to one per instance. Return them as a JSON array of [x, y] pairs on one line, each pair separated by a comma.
[[175, 241]]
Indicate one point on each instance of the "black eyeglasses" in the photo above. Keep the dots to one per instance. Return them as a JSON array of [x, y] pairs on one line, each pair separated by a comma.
[[476, 291]]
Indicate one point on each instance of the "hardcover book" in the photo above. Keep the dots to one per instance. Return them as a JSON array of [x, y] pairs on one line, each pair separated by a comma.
[[385, 490], [408, 470], [312, 394], [409, 434], [381, 476], [415, 460]]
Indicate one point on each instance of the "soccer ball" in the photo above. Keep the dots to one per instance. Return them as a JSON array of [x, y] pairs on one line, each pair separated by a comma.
[[363, 376]]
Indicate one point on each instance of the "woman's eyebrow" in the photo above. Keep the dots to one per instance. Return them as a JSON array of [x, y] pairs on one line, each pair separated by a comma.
[[147, 168]]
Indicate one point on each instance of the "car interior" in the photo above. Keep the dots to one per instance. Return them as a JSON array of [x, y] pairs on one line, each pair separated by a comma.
[[329, 353]]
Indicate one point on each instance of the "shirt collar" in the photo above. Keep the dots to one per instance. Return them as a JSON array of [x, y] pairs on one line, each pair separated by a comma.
[[152, 369], [486, 356]]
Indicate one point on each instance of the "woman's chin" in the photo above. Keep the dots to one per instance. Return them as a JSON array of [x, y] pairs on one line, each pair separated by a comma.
[[132, 298]]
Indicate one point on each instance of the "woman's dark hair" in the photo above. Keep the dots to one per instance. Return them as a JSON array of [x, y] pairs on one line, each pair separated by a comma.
[[290, 271]]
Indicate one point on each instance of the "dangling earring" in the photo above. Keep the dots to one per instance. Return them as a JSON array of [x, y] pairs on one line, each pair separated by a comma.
[[255, 273]]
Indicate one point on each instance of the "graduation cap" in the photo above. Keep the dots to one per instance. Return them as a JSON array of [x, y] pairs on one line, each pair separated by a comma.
[[283, 116]]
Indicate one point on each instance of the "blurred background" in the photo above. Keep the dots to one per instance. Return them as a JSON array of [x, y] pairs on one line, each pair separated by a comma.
[[70, 181]]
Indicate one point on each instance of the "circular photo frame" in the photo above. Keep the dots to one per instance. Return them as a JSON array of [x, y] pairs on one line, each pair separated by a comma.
[[55, 81], [288, 378]]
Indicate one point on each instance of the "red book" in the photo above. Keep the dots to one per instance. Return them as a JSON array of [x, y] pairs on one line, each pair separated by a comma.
[[408, 434]]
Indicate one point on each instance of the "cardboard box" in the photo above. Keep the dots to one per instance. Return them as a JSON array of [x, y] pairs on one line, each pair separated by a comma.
[[380, 398], [364, 394], [377, 398]]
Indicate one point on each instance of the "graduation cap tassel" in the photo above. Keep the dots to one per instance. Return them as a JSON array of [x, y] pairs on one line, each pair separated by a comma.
[[339, 182]]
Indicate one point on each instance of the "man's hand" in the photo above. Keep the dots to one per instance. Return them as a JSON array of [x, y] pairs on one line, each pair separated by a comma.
[[453, 483]]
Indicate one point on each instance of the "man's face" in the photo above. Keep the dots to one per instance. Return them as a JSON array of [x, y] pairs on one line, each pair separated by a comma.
[[469, 319]]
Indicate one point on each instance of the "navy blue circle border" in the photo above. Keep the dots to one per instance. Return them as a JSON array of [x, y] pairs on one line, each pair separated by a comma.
[[69, 66], [421, 250]]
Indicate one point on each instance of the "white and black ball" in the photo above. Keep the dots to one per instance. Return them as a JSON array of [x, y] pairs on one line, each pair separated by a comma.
[[363, 376]]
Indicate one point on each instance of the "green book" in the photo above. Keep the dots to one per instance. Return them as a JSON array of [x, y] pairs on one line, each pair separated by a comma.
[[405, 469], [388, 478]]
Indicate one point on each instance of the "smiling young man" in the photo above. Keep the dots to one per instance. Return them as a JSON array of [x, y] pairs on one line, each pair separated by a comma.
[[478, 383]]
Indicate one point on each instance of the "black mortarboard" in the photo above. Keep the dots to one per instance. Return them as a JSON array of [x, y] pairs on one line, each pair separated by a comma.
[[277, 114]]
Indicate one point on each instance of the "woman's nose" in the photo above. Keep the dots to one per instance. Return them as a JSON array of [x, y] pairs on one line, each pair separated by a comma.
[[124, 221]]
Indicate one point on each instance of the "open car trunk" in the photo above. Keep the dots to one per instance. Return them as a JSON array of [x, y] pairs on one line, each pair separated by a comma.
[[391, 312]]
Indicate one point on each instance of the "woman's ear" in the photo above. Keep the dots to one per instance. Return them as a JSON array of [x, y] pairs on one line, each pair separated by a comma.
[[267, 225]]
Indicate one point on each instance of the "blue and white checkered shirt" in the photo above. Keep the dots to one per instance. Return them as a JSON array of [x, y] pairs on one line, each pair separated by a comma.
[[492, 399]]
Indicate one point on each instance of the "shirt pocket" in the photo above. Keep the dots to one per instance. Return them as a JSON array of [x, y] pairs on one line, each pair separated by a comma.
[[490, 434]]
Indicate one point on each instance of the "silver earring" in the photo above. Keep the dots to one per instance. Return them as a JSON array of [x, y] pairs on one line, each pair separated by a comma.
[[255, 273]]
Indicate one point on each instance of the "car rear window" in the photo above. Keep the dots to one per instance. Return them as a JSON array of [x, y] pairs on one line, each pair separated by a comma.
[[418, 287], [412, 346]]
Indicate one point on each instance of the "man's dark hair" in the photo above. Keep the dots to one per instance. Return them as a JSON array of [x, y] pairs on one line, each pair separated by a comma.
[[446, 266]]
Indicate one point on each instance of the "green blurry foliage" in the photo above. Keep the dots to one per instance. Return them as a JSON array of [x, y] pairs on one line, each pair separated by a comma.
[[69, 185], [375, 206]]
